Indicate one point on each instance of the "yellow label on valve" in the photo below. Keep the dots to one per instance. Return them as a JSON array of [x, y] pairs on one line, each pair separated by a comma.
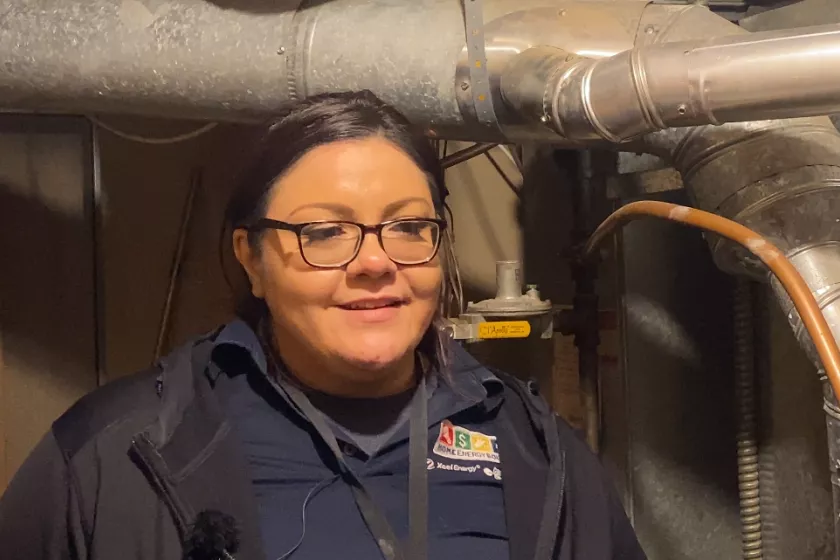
[[504, 329]]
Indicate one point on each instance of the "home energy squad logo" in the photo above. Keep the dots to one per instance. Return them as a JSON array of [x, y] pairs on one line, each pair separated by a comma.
[[455, 442]]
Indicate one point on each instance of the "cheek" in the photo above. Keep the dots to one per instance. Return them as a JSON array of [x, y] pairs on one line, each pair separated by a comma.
[[425, 285], [292, 292]]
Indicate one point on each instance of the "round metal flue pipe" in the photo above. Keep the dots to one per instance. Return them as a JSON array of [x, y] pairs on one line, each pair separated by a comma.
[[734, 78], [244, 60]]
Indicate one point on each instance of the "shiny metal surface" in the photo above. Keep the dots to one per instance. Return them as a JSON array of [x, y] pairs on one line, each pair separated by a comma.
[[715, 80], [208, 59], [509, 300], [819, 265], [593, 29]]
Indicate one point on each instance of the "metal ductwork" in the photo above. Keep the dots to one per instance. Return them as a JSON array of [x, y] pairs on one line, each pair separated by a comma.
[[243, 60], [735, 113], [675, 81]]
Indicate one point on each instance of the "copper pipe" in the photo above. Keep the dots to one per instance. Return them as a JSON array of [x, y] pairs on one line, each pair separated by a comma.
[[768, 253]]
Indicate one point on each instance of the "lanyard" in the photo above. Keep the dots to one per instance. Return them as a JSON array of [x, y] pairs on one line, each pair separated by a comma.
[[418, 497]]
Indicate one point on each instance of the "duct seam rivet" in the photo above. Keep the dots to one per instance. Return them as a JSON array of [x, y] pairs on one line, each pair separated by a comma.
[[544, 118], [650, 30], [682, 109], [281, 50]]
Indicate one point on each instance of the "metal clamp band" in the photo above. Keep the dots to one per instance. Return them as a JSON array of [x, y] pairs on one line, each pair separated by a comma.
[[482, 99]]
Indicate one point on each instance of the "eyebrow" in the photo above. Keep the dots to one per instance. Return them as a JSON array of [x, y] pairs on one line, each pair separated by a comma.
[[341, 210], [398, 205], [347, 213]]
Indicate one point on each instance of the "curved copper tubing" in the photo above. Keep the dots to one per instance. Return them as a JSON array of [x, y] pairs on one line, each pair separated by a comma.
[[769, 254]]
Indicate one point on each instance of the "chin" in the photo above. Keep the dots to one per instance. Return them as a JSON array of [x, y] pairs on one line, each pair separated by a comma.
[[374, 357]]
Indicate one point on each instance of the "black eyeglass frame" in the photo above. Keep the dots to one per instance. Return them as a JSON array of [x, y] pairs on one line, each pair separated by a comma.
[[268, 223]]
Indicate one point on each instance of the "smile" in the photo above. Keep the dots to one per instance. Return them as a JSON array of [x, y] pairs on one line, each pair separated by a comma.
[[378, 303]]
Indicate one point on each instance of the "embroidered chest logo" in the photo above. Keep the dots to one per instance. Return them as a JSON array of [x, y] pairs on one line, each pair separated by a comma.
[[455, 442]]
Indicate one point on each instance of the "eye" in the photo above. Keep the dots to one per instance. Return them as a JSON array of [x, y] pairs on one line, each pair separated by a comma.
[[417, 228], [325, 232]]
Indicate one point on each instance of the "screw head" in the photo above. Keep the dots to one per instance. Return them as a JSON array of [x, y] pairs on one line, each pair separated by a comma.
[[465, 86], [281, 50]]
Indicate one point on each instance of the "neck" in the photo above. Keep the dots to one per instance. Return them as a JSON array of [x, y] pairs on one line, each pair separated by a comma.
[[344, 379]]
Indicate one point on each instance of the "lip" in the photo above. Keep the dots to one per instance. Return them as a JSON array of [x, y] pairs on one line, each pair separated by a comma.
[[368, 304], [373, 310]]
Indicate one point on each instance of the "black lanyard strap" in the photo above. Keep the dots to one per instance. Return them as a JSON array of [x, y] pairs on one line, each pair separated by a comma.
[[418, 499], [418, 487]]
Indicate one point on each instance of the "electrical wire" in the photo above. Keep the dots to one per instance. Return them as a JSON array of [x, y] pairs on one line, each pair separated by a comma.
[[769, 254], [466, 154], [502, 173], [513, 156], [177, 263], [153, 141], [312, 493]]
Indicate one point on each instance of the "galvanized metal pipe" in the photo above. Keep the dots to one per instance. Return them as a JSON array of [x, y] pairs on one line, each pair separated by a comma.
[[739, 77], [658, 68], [214, 60], [205, 60], [197, 58]]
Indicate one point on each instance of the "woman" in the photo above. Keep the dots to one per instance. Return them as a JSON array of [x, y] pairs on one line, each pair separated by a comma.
[[333, 418]]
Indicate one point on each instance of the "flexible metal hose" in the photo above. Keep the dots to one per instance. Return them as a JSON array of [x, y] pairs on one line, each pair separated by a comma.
[[767, 452], [747, 435], [769, 254]]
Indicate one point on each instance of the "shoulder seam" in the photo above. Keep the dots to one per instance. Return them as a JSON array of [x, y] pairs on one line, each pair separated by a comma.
[[71, 434], [528, 391]]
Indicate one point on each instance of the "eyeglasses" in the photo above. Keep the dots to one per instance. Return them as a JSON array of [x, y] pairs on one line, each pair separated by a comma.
[[333, 244]]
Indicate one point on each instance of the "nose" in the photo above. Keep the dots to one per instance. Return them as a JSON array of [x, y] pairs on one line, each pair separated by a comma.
[[372, 260]]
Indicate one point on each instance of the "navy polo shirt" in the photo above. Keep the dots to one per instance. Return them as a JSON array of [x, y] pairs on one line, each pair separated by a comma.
[[308, 513]]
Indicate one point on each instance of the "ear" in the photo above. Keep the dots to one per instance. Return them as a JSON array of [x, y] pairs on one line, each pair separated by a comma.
[[250, 261]]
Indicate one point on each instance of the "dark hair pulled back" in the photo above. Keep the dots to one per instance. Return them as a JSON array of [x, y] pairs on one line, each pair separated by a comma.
[[320, 120]]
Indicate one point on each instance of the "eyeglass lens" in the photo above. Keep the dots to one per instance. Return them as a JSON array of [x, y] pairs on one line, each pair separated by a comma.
[[336, 243]]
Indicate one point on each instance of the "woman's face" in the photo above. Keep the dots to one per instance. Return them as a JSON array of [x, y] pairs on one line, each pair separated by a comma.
[[372, 313]]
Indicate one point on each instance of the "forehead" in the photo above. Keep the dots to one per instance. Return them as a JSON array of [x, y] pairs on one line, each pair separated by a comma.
[[364, 176]]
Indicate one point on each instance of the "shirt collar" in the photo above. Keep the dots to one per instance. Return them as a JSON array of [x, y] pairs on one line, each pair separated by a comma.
[[471, 379], [238, 334]]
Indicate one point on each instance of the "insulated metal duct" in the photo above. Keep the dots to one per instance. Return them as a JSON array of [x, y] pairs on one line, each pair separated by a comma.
[[585, 72], [243, 60]]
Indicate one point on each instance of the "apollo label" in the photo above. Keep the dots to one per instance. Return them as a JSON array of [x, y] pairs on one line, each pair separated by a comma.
[[455, 442]]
